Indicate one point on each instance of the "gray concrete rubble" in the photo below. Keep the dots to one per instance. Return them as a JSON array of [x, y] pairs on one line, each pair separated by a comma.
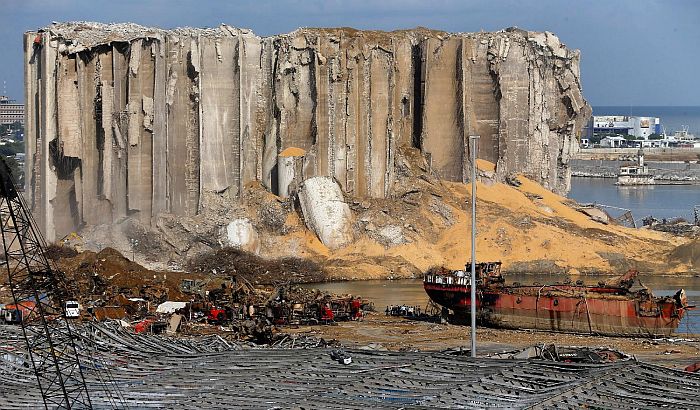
[[241, 234], [125, 120], [147, 371]]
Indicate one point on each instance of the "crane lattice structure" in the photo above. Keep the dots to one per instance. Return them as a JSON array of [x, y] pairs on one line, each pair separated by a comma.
[[39, 291]]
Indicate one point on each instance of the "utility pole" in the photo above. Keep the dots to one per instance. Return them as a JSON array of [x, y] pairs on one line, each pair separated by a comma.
[[473, 144], [36, 285]]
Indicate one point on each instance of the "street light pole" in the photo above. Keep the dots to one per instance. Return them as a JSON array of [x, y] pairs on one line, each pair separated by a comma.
[[473, 143]]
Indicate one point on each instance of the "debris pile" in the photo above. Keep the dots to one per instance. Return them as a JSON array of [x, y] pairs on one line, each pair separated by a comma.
[[566, 354], [229, 291], [257, 270], [104, 275], [675, 226]]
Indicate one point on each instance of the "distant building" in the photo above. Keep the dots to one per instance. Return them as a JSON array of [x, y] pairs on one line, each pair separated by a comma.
[[10, 111], [639, 127], [663, 143], [613, 142]]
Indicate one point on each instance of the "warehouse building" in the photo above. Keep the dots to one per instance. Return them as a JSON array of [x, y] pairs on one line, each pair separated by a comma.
[[638, 127]]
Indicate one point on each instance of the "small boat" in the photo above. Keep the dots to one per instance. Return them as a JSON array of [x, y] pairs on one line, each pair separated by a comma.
[[621, 307], [635, 174]]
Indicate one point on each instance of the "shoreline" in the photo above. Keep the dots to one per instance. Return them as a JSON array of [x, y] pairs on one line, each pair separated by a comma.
[[332, 279], [667, 180], [399, 334], [680, 172]]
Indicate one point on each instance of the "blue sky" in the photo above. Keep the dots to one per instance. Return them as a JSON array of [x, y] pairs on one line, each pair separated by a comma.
[[634, 52]]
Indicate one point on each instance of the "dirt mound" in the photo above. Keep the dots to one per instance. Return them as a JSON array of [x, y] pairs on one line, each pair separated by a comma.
[[55, 251], [108, 273], [235, 262]]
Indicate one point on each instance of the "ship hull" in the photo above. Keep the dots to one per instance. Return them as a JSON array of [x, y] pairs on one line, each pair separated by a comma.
[[573, 309]]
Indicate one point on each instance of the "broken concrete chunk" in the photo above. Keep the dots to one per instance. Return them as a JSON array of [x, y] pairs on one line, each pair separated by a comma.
[[289, 170], [194, 55], [134, 132], [135, 58], [391, 235], [170, 92], [148, 113], [241, 234], [325, 211], [170, 307], [174, 323], [597, 214]]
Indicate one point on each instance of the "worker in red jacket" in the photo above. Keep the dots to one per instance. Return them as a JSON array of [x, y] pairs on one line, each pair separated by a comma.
[[326, 312], [355, 308]]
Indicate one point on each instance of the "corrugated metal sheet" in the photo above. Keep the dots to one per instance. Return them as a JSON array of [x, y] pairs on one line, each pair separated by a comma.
[[193, 375]]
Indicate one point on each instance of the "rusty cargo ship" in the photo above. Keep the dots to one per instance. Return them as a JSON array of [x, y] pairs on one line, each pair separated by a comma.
[[621, 307]]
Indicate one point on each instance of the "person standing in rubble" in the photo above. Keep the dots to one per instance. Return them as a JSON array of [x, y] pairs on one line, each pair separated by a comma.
[[327, 312], [355, 309], [251, 311]]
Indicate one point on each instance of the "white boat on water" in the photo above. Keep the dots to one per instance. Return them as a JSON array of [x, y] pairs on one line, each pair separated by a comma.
[[685, 139], [636, 174]]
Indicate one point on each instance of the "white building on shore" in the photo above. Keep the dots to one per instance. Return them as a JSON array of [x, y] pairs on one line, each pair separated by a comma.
[[613, 142], [638, 127]]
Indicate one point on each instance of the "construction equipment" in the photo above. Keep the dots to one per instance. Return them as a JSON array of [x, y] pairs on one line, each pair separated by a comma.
[[37, 287]]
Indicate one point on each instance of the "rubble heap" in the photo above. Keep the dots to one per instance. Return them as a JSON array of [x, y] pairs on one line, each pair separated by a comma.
[[234, 262], [230, 292], [130, 121]]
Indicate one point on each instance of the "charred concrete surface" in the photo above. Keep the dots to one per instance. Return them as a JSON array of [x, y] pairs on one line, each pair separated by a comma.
[[129, 121]]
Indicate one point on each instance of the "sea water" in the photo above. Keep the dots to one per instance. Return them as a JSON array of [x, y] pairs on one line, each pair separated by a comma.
[[659, 201]]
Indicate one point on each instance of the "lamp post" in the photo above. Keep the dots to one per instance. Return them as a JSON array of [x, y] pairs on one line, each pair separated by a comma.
[[473, 143]]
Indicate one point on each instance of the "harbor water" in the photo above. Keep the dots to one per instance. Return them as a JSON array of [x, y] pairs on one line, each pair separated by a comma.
[[659, 201]]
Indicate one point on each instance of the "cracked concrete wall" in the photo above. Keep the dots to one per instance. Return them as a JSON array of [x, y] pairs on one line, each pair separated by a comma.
[[130, 121]]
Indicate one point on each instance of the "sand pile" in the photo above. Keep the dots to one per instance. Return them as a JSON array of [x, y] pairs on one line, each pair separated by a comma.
[[687, 254], [424, 222], [527, 227]]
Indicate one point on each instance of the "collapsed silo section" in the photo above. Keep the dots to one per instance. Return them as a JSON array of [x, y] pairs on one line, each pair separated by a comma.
[[326, 212], [289, 170]]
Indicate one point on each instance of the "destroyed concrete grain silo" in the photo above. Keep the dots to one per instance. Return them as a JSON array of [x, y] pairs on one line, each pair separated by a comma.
[[125, 121]]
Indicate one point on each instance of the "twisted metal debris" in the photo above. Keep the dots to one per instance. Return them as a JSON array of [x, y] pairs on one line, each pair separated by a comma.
[[209, 372]]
